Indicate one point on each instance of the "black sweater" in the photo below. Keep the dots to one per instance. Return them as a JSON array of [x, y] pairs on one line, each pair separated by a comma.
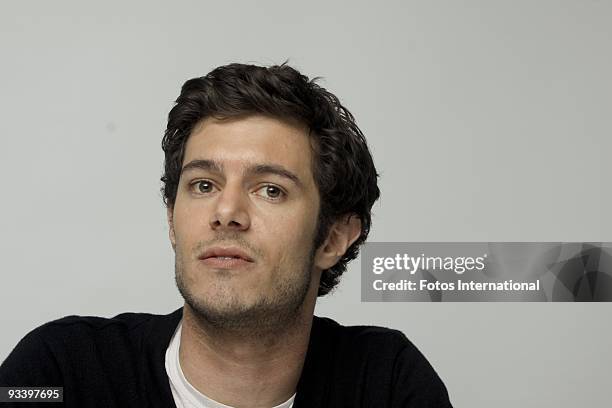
[[120, 362]]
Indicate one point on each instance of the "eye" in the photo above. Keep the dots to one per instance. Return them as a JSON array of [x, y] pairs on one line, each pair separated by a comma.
[[271, 192], [203, 186]]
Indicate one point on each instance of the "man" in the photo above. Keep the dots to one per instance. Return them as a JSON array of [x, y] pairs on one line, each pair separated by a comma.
[[268, 186]]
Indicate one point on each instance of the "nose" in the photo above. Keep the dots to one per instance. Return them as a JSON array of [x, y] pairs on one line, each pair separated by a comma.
[[231, 210]]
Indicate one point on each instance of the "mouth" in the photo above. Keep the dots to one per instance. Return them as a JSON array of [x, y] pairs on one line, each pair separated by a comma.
[[225, 262], [226, 258]]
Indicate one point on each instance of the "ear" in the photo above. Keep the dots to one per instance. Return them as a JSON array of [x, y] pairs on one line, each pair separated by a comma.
[[341, 236], [170, 214]]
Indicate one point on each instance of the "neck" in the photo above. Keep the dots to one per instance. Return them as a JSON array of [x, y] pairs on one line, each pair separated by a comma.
[[240, 369]]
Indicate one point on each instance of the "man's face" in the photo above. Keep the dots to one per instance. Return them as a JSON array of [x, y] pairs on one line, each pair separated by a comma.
[[244, 221]]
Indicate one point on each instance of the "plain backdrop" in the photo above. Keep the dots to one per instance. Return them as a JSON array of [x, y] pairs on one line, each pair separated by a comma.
[[488, 121]]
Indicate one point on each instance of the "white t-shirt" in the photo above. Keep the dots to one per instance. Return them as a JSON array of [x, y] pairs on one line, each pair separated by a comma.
[[185, 395]]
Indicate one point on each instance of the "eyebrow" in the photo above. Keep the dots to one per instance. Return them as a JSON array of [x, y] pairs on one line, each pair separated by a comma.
[[255, 169]]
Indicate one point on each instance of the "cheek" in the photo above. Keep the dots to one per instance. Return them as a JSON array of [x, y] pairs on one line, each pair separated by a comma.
[[290, 237], [189, 220]]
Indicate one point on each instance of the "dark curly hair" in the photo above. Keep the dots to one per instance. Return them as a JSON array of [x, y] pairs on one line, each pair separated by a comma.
[[343, 168]]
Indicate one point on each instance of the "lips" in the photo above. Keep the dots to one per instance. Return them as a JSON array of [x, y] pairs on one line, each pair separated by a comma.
[[227, 253]]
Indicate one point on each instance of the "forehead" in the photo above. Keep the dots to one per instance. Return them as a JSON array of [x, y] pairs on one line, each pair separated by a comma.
[[249, 140]]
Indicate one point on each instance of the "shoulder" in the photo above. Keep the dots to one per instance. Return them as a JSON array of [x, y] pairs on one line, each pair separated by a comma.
[[379, 347], [54, 348], [129, 322], [380, 362], [72, 332], [375, 338]]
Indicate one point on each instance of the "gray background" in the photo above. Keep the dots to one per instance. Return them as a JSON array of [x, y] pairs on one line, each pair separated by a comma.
[[488, 121]]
